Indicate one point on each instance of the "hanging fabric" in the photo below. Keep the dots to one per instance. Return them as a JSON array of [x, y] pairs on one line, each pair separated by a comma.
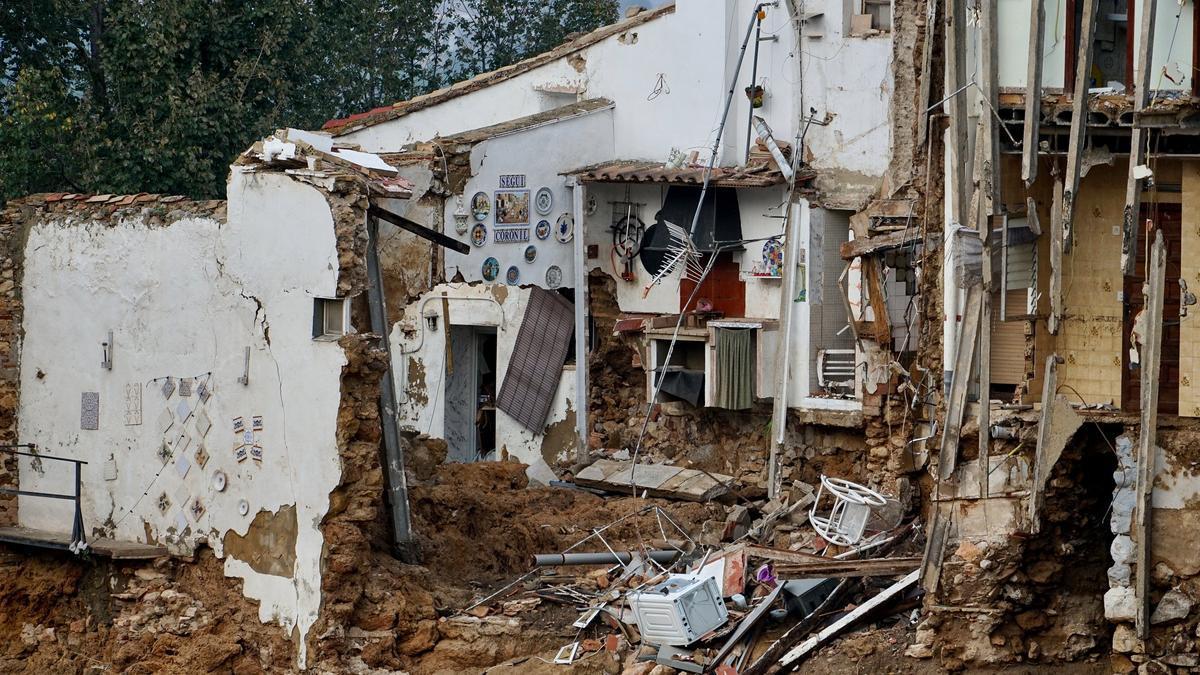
[[735, 368]]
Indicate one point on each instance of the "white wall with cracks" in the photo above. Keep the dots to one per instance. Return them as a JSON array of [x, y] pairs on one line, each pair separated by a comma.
[[419, 355], [186, 300]]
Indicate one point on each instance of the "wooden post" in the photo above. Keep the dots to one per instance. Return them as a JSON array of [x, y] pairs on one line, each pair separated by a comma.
[[1137, 138], [1056, 259], [956, 399], [956, 71], [989, 204], [1151, 356], [1033, 92], [1079, 115], [927, 71]]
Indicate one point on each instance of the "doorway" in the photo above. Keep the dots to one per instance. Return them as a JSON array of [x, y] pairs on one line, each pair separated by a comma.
[[470, 417], [1166, 218]]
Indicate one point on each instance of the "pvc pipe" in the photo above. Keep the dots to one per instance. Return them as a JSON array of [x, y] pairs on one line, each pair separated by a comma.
[[602, 558]]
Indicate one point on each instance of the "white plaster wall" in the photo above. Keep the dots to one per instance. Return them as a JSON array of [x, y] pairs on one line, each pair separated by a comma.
[[180, 301], [418, 349], [542, 155], [1172, 45], [693, 49], [1012, 29], [851, 79]]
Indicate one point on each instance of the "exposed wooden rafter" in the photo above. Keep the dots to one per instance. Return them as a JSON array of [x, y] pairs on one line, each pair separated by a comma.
[[1079, 117], [1137, 139], [1033, 92]]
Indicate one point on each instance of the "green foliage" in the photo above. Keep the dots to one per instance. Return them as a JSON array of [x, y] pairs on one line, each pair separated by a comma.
[[160, 95]]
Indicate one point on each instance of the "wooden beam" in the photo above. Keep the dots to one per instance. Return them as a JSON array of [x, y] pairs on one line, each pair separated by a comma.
[[935, 545], [989, 204], [1151, 358], [1137, 138], [928, 72], [872, 269], [419, 230], [956, 81], [1079, 115], [956, 399], [1033, 92], [880, 243], [1056, 259], [870, 567], [849, 618]]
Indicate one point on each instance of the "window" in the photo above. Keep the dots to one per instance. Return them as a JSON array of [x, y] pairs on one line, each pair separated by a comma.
[[871, 18], [331, 316]]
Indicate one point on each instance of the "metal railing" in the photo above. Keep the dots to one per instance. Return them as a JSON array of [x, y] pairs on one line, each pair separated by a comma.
[[78, 538]]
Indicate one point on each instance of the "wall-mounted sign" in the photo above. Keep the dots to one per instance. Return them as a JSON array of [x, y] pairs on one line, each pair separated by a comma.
[[512, 235], [509, 181], [512, 207]]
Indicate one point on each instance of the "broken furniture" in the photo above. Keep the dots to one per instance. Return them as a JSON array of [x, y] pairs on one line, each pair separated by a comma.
[[680, 610], [835, 370], [843, 522]]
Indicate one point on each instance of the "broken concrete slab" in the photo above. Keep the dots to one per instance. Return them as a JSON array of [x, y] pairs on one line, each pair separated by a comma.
[[1173, 606]]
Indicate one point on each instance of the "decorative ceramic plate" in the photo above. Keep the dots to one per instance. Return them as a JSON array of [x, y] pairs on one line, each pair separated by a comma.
[[481, 205], [772, 257], [543, 229], [479, 234], [491, 269], [544, 201], [530, 253], [564, 228], [513, 276], [553, 277]]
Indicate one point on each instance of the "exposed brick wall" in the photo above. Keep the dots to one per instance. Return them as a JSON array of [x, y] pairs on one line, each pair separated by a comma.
[[12, 245]]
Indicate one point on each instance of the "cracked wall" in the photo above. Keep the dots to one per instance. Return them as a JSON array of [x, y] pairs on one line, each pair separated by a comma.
[[419, 353], [185, 294]]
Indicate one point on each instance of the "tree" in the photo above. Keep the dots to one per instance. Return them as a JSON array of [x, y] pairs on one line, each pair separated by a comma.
[[490, 34], [160, 95]]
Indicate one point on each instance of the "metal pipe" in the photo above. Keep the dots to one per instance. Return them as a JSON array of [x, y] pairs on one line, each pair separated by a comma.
[[712, 158], [602, 558], [753, 79]]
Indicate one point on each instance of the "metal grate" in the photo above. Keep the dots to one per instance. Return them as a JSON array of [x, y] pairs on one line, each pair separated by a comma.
[[535, 367]]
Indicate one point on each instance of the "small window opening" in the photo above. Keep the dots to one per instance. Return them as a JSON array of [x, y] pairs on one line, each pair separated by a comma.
[[873, 17], [330, 318]]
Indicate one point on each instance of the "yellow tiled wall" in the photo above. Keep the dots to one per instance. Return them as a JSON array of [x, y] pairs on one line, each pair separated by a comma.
[[1189, 329], [1090, 337]]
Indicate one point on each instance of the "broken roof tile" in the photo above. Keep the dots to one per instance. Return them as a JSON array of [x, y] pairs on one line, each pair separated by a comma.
[[624, 171]]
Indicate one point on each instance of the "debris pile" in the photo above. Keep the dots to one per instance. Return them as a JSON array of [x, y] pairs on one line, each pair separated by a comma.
[[721, 598]]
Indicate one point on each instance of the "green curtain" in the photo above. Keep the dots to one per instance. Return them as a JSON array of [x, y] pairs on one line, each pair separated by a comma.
[[735, 368]]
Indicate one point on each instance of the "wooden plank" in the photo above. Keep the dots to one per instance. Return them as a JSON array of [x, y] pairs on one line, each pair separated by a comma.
[[1056, 259], [1137, 138], [872, 269], [960, 382], [1033, 92], [879, 243], [1079, 115], [848, 568], [928, 72], [989, 204], [106, 548], [935, 546], [1147, 437], [956, 80], [841, 624]]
